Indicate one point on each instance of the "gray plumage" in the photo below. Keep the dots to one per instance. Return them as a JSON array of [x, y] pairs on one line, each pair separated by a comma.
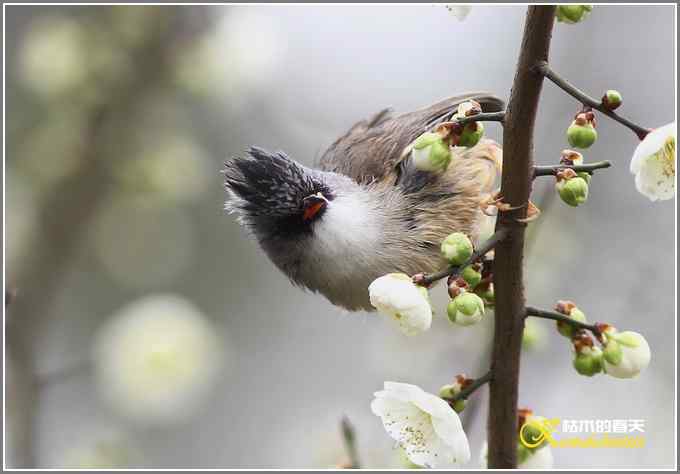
[[381, 215]]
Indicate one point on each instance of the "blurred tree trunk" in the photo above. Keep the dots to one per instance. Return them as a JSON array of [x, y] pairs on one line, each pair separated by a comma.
[[69, 210]]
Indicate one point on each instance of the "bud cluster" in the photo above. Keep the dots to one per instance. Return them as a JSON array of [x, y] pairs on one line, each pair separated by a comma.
[[449, 391], [620, 354], [432, 152]]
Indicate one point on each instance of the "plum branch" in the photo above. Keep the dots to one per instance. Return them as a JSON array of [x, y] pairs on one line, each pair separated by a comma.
[[483, 117], [508, 274], [555, 316], [544, 68], [552, 170]]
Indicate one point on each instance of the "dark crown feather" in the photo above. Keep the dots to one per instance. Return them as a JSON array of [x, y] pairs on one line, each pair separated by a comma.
[[265, 184]]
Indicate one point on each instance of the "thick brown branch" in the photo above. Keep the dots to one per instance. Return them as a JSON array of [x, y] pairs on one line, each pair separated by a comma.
[[551, 170], [482, 250], [508, 261], [555, 316], [544, 68]]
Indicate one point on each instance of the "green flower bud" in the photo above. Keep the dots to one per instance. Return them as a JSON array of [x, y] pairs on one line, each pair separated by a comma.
[[588, 361], [472, 133], [457, 248], [566, 329], [431, 153], [459, 406], [612, 352], [581, 136], [471, 276], [585, 176], [465, 309], [612, 99], [571, 14], [573, 191], [486, 292], [467, 108], [448, 390]]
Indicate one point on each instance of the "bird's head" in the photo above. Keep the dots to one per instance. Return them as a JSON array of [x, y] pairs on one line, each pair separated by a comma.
[[275, 197]]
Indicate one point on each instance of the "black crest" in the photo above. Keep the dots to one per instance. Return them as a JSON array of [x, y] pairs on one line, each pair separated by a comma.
[[267, 189]]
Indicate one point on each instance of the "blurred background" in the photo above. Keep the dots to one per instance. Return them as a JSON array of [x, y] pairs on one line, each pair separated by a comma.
[[147, 329]]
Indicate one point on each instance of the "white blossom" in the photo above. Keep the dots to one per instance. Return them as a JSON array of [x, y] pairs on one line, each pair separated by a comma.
[[395, 295], [653, 164], [634, 355], [424, 425], [156, 359]]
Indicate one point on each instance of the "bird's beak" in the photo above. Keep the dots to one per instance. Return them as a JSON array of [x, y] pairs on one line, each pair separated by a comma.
[[312, 205]]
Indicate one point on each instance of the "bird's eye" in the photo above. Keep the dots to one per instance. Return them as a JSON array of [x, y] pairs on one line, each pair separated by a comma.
[[312, 206]]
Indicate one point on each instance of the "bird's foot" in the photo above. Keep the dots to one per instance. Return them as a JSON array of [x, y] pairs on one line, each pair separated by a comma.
[[533, 212], [496, 200]]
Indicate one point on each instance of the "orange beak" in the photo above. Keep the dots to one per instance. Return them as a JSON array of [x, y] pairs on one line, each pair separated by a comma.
[[312, 205]]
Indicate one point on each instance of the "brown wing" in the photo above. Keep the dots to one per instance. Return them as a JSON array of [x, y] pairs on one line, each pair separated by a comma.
[[371, 149]]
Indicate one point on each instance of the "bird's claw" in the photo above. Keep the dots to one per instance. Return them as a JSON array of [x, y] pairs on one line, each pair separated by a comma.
[[496, 200], [533, 213]]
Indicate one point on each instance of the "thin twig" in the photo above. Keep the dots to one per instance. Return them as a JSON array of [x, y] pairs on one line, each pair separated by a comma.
[[544, 68], [483, 249], [349, 437], [555, 316], [551, 170], [470, 389], [483, 117]]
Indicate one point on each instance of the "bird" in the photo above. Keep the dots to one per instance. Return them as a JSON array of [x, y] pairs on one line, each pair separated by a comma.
[[364, 210]]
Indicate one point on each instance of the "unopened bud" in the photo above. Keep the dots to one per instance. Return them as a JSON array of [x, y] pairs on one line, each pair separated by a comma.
[[571, 14], [573, 191], [612, 99], [581, 133], [431, 153], [571, 158], [486, 292], [588, 360], [568, 330], [458, 406], [472, 275], [449, 390], [626, 353], [472, 133], [465, 309], [456, 286], [457, 248], [469, 108]]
